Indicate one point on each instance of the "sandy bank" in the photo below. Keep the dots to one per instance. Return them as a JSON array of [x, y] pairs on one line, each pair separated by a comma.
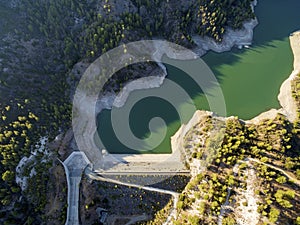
[[295, 44], [285, 97]]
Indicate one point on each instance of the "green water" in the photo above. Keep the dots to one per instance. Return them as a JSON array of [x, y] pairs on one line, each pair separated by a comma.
[[250, 78]]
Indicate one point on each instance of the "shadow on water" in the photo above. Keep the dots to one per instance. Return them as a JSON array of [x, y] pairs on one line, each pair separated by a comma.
[[150, 107], [250, 78], [139, 118], [277, 19]]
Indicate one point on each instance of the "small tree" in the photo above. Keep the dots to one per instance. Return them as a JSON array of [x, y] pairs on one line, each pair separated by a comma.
[[228, 221], [281, 179], [273, 215]]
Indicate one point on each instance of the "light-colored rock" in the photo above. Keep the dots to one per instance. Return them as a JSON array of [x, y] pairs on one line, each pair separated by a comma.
[[178, 140], [286, 100], [295, 44], [139, 84], [248, 215], [231, 38]]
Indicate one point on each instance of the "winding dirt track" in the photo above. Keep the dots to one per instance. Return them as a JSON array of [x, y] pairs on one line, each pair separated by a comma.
[[292, 178]]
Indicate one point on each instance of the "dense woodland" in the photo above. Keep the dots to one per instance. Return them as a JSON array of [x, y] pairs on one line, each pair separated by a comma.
[[90, 28], [19, 135], [36, 102]]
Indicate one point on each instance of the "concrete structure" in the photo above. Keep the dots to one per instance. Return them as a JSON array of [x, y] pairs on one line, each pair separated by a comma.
[[74, 165]]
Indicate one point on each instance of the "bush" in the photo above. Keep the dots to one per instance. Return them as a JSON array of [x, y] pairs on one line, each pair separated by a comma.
[[273, 215], [281, 179], [228, 221]]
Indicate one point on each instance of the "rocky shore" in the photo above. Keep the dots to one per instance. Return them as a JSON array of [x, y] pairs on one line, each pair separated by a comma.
[[238, 38]]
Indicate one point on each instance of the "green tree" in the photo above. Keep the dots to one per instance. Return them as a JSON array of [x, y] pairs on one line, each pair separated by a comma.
[[8, 176], [273, 215], [281, 179], [229, 220]]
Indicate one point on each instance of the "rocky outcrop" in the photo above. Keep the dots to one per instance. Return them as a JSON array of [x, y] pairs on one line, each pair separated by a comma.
[[231, 38], [271, 114], [142, 83], [178, 140], [286, 100]]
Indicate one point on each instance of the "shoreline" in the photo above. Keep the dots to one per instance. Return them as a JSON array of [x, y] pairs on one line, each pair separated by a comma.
[[285, 98], [232, 38], [111, 98]]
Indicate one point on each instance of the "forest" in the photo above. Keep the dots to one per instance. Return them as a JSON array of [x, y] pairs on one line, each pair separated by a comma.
[[89, 28], [41, 47]]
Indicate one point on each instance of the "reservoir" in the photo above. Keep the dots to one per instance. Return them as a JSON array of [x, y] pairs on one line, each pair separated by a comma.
[[249, 78]]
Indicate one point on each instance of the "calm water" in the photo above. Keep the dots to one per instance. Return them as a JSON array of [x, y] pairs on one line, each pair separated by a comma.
[[250, 79]]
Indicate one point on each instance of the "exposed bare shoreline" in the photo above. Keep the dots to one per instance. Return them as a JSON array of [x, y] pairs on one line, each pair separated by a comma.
[[285, 98], [238, 38], [232, 38], [137, 163]]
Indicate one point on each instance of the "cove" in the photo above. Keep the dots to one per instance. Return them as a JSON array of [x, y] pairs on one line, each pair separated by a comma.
[[250, 79]]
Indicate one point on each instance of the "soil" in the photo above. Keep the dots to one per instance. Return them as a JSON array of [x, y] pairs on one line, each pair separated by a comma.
[[57, 195], [120, 201]]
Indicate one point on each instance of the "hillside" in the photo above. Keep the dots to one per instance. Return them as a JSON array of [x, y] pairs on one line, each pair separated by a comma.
[[40, 43], [244, 172]]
